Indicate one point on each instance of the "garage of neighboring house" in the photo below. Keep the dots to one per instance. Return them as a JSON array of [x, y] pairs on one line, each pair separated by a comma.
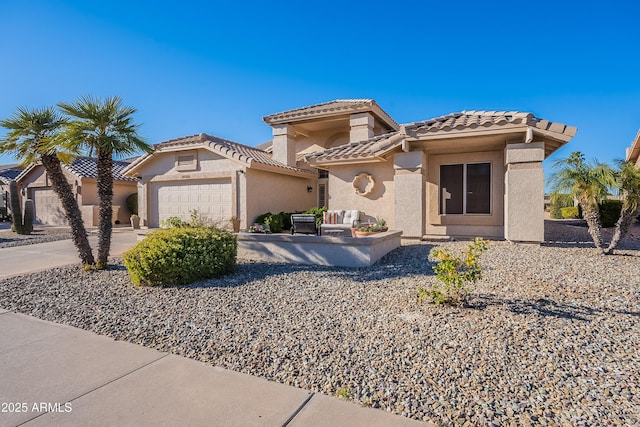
[[81, 174], [47, 206], [212, 199]]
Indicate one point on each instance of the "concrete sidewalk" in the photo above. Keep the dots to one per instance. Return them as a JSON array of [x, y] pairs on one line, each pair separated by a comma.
[[42, 256], [55, 375]]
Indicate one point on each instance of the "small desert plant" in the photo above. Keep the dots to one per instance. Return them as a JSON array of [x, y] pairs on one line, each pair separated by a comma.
[[570, 212], [456, 274], [344, 392], [178, 256]]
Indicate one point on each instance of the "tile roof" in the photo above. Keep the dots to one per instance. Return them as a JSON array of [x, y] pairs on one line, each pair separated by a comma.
[[474, 119], [87, 167], [229, 149], [8, 175], [327, 108], [462, 122]]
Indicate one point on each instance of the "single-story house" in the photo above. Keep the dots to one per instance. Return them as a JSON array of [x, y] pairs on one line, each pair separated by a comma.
[[633, 152], [473, 173], [81, 174]]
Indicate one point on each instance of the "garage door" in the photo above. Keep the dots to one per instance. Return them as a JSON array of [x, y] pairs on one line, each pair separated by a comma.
[[212, 199], [47, 206]]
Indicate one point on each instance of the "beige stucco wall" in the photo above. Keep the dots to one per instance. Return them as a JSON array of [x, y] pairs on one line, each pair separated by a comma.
[[272, 192], [466, 225], [121, 190], [378, 204]]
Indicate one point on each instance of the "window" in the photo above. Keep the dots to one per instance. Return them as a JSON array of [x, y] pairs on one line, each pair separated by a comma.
[[323, 173], [465, 189], [322, 195]]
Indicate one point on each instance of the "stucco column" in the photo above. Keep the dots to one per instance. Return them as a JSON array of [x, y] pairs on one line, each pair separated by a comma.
[[284, 146], [143, 187], [524, 192], [409, 193], [361, 127]]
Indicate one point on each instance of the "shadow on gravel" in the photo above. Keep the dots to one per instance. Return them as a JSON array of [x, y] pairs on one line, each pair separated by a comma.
[[401, 262], [545, 307]]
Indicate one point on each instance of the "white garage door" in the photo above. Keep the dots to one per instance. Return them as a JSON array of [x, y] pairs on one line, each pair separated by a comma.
[[48, 207], [212, 199]]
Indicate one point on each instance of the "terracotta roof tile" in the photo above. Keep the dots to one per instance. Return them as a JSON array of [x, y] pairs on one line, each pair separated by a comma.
[[327, 108], [447, 124], [230, 149]]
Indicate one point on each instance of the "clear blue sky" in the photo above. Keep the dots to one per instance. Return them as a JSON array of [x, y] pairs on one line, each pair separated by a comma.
[[218, 67]]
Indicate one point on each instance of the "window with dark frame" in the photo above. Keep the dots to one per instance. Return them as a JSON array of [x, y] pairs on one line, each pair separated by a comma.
[[465, 189]]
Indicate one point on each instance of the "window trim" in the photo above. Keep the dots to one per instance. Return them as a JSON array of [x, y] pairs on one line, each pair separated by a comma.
[[464, 188]]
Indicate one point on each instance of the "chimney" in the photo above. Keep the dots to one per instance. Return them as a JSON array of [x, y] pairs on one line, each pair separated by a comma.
[[284, 146], [361, 127]]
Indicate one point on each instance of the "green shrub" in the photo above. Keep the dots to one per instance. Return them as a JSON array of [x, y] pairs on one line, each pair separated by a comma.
[[178, 256], [456, 273], [275, 222], [174, 222], [558, 201], [132, 203], [570, 212], [610, 212], [318, 212]]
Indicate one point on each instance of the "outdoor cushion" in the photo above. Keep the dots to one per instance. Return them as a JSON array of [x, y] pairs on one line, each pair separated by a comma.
[[351, 217], [333, 217]]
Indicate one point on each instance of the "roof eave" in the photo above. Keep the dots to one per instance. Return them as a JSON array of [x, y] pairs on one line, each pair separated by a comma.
[[633, 152]]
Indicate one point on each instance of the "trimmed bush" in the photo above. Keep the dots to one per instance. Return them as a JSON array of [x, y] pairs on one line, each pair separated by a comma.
[[132, 204], [570, 213], [557, 202], [610, 212], [179, 256]]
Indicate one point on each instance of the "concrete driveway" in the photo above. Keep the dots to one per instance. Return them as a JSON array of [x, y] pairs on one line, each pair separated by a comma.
[[42, 256]]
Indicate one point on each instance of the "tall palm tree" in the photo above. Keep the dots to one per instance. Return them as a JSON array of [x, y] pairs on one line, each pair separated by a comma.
[[105, 127], [629, 185], [30, 139], [587, 182]]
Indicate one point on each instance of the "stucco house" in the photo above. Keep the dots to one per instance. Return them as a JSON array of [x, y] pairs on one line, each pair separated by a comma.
[[81, 174], [473, 173], [633, 152]]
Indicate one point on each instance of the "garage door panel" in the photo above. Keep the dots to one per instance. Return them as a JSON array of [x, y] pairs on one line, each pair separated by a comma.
[[48, 207], [211, 199]]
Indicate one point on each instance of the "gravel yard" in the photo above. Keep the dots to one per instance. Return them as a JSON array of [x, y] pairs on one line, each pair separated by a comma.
[[9, 239], [551, 336]]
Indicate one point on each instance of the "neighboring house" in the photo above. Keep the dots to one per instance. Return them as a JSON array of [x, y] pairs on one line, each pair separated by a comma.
[[81, 174], [633, 152], [475, 173], [8, 173]]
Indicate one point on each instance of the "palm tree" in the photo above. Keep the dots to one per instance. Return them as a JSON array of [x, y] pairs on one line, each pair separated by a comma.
[[30, 139], [629, 185], [106, 127], [587, 182]]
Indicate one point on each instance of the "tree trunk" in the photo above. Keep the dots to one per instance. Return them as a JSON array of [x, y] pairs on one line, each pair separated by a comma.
[[64, 191], [105, 194], [627, 217], [592, 216]]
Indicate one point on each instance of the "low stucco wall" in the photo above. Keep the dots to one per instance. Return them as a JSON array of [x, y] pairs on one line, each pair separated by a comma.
[[317, 250]]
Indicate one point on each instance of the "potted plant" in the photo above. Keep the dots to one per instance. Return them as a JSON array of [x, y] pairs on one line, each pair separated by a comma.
[[135, 222], [235, 223], [365, 230]]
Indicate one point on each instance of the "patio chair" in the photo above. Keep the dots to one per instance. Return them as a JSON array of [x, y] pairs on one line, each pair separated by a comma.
[[303, 224]]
